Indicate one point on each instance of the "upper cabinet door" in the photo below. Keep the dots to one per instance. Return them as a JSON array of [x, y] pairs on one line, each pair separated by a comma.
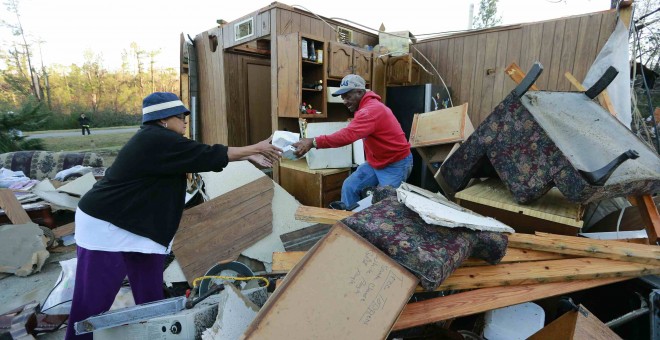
[[362, 64], [288, 75], [340, 60]]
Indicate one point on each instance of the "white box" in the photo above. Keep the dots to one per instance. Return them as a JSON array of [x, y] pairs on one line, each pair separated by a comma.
[[328, 158]]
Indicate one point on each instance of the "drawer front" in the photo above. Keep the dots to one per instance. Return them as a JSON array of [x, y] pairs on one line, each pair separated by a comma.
[[334, 181]]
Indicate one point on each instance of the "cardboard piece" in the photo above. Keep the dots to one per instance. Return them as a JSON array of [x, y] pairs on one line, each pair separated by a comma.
[[580, 324], [79, 186], [344, 288], [328, 158], [47, 191]]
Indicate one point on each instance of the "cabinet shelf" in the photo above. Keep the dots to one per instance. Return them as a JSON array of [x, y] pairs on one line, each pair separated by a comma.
[[308, 62], [311, 90], [322, 115]]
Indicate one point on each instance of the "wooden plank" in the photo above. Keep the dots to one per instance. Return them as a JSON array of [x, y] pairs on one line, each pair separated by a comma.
[[569, 44], [320, 215], [606, 249], [554, 71], [285, 261], [304, 239], [64, 230], [500, 65], [545, 54], [288, 75], [344, 288], [12, 208], [477, 79], [603, 97], [481, 300], [576, 324], [467, 71], [587, 49], [218, 230], [457, 70], [514, 46], [649, 213], [509, 274], [517, 75], [450, 64], [552, 206], [489, 72], [607, 25]]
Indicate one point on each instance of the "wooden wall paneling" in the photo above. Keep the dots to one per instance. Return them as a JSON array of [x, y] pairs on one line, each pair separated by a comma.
[[201, 44], [305, 24], [451, 64], [457, 68], [467, 70], [477, 79], [500, 66], [256, 99], [545, 56], [274, 118], [554, 71], [439, 53], [288, 75], [295, 22], [378, 84], [212, 88], [514, 45], [285, 21], [329, 33], [489, 72], [585, 51], [571, 30], [607, 25], [316, 28], [531, 47], [236, 111], [263, 24]]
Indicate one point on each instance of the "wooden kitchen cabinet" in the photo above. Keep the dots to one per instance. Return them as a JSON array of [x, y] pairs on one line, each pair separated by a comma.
[[294, 73], [345, 59], [315, 188]]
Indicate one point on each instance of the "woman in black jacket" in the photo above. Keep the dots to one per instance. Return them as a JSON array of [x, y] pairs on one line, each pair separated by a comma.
[[125, 224]]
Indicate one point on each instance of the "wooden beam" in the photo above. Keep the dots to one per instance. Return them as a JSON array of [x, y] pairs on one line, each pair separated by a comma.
[[606, 249], [543, 272], [13, 208], [603, 98], [481, 300], [650, 216], [320, 215], [517, 75], [284, 262]]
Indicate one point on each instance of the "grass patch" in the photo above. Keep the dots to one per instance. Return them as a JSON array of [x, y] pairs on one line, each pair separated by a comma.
[[87, 143], [78, 130]]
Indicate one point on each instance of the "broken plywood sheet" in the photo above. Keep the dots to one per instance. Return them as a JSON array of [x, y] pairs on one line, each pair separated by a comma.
[[79, 186], [284, 206], [235, 312], [445, 126], [218, 230], [22, 249], [445, 215], [580, 324], [344, 288], [47, 192]]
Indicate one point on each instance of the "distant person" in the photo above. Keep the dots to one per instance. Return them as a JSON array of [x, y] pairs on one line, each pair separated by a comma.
[[126, 223], [84, 124], [389, 160]]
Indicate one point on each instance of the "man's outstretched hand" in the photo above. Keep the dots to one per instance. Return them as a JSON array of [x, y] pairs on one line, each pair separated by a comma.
[[303, 146]]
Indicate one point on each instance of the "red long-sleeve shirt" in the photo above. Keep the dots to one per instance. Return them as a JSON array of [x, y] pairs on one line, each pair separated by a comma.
[[384, 140]]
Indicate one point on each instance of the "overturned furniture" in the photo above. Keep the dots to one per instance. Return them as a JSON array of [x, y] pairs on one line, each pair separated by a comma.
[[539, 139]]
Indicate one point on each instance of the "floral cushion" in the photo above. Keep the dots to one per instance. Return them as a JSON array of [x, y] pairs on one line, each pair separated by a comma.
[[430, 252], [46, 164]]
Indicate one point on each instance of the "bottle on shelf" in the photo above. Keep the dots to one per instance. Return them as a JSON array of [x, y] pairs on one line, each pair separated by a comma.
[[312, 51], [305, 52], [319, 85]]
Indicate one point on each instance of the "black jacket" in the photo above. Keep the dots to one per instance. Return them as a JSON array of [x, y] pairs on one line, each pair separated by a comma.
[[144, 189], [83, 121]]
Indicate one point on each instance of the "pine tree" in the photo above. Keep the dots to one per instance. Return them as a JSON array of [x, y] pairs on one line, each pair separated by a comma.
[[487, 16]]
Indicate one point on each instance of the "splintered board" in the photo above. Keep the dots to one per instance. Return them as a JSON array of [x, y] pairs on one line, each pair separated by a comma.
[[441, 127], [217, 231], [344, 288]]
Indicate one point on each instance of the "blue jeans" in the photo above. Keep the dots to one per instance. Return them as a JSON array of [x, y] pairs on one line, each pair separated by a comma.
[[366, 176]]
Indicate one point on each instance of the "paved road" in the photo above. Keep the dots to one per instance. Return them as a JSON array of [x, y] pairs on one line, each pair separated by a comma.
[[78, 133]]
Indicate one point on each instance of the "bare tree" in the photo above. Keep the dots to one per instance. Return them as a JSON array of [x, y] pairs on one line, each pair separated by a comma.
[[17, 30]]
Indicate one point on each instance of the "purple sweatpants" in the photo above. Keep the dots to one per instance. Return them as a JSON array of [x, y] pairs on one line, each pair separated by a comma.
[[99, 275]]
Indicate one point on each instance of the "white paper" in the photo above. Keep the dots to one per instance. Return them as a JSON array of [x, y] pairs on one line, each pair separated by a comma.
[[284, 141]]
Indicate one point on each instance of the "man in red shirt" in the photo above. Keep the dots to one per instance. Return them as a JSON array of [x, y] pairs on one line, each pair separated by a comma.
[[389, 160]]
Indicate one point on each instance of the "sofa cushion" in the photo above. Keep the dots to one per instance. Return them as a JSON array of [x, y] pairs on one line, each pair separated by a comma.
[[46, 164]]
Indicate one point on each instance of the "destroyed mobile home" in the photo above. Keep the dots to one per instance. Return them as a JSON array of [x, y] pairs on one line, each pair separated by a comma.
[[515, 223]]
